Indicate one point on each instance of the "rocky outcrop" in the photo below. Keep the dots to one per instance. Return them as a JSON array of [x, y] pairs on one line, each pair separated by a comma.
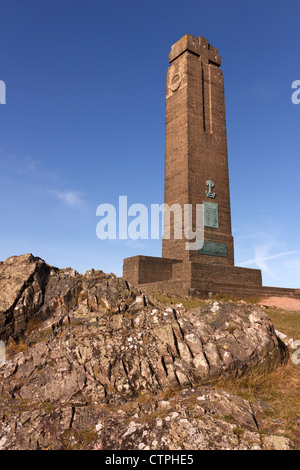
[[22, 289], [29, 288], [101, 357], [202, 419]]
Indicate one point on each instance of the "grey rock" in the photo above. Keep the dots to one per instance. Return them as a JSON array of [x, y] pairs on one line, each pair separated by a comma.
[[102, 357]]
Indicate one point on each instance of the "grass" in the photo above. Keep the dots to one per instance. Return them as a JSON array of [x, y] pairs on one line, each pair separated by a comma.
[[229, 418], [230, 298], [32, 324], [190, 303], [82, 438], [285, 322], [279, 388], [238, 432], [14, 348], [187, 303]]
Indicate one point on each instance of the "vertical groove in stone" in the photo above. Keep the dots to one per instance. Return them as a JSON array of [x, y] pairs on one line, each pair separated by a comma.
[[209, 101], [203, 98]]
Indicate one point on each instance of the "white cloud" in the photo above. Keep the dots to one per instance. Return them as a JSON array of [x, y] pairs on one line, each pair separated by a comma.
[[261, 258], [268, 247], [26, 167], [71, 198]]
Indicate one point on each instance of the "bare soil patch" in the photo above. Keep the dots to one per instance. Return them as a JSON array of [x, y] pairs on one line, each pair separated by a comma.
[[285, 303]]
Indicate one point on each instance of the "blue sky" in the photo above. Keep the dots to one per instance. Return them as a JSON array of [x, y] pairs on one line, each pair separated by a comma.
[[84, 123]]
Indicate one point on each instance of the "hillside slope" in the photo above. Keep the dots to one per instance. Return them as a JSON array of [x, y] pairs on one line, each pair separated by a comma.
[[93, 363]]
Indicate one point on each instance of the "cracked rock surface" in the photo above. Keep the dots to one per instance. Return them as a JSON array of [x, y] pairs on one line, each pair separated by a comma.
[[94, 363]]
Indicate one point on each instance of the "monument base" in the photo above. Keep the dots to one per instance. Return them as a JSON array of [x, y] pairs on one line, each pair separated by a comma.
[[184, 278]]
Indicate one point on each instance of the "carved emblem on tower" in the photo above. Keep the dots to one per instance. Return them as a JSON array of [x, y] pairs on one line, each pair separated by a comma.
[[210, 193], [175, 82]]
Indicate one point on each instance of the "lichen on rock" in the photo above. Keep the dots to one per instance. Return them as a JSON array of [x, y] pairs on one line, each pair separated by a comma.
[[100, 359]]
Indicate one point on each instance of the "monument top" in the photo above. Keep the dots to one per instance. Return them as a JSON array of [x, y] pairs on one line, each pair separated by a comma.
[[199, 46]]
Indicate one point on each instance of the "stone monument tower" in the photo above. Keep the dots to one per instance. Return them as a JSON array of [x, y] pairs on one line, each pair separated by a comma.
[[196, 172], [196, 165]]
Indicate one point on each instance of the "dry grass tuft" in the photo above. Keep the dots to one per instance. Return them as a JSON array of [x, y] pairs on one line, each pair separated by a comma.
[[188, 303], [14, 348], [279, 388]]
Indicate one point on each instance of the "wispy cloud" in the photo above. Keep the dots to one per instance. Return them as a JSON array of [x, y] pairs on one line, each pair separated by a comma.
[[38, 176], [266, 244], [20, 166], [70, 198], [261, 259]]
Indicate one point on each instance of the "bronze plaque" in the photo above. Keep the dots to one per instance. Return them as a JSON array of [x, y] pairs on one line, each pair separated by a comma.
[[214, 249], [211, 215]]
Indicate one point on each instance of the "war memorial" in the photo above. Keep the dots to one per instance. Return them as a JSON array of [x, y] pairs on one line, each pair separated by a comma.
[[196, 172]]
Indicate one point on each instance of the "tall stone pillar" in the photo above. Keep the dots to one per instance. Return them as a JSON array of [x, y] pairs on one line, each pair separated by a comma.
[[196, 163], [196, 173]]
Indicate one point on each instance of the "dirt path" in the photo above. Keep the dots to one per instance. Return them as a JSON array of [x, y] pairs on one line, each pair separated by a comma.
[[282, 302]]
